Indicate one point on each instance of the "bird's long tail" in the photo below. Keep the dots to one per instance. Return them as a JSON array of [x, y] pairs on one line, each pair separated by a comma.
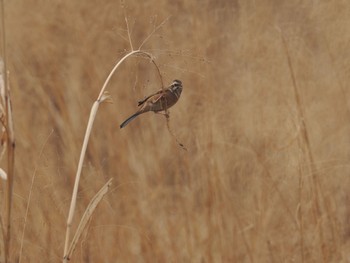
[[126, 122]]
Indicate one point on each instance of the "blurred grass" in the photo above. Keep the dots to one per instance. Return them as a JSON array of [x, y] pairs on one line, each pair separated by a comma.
[[245, 190]]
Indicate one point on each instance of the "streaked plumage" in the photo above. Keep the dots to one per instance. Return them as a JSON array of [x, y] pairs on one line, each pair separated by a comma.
[[159, 101]]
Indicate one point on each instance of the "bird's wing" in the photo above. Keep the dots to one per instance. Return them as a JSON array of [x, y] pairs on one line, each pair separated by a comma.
[[146, 98]]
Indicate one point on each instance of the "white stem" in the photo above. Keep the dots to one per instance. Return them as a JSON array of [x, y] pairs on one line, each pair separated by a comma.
[[86, 140]]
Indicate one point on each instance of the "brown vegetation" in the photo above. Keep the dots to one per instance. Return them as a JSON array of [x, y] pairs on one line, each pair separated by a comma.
[[263, 115]]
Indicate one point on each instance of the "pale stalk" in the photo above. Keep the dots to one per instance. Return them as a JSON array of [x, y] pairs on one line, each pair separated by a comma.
[[86, 140]]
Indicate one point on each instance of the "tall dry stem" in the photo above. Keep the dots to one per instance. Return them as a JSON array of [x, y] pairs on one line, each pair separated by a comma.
[[87, 216], [7, 122], [104, 97], [101, 98]]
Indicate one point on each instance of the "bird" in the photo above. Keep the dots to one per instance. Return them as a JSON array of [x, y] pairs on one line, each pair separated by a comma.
[[162, 100]]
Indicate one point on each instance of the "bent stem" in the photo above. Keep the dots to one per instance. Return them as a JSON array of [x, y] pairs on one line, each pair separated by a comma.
[[132, 53], [101, 98], [173, 134], [87, 216]]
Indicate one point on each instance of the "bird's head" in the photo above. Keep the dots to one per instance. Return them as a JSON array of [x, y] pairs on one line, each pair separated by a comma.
[[176, 87]]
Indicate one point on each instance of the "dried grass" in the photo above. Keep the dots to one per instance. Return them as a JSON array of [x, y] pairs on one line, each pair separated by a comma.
[[265, 122]]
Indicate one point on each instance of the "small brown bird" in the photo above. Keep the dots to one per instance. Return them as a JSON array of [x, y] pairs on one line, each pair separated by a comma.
[[159, 101]]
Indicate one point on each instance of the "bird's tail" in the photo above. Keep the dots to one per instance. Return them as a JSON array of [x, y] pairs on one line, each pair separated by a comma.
[[126, 122]]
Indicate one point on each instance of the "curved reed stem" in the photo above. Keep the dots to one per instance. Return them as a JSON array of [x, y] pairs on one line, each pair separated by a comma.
[[101, 98]]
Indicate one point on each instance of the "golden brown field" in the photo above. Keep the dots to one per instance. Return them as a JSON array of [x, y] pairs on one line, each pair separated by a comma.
[[264, 115]]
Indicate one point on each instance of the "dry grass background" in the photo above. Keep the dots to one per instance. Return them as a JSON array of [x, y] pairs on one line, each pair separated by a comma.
[[265, 177]]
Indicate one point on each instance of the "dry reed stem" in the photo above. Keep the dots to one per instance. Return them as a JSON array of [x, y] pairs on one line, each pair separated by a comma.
[[300, 214], [87, 215], [129, 33], [3, 174], [77, 177], [101, 98], [172, 133], [10, 142], [2, 97], [10, 171]]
